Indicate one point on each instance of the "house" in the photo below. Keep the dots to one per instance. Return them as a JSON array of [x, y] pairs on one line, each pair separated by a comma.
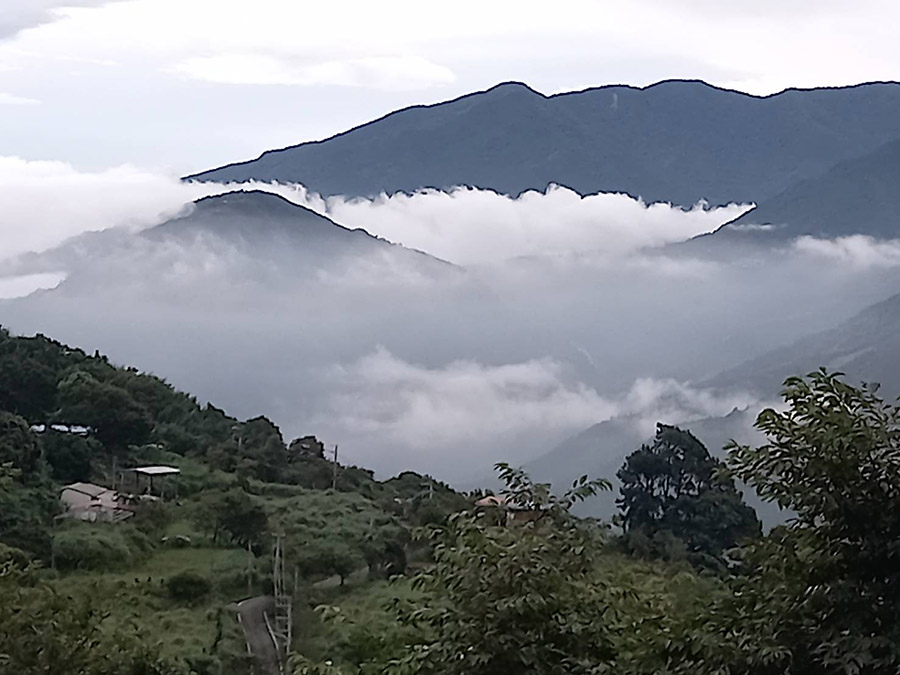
[[94, 503], [515, 513]]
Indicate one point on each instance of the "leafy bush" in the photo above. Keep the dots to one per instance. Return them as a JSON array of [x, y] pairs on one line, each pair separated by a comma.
[[188, 587], [98, 547]]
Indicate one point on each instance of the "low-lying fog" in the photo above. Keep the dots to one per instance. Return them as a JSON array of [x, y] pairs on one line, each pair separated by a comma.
[[560, 312]]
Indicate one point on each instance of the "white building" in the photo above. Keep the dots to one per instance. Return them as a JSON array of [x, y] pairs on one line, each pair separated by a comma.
[[93, 503]]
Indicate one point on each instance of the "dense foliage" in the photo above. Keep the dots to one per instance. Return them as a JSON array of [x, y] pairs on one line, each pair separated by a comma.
[[45, 632], [69, 417], [674, 494], [829, 580]]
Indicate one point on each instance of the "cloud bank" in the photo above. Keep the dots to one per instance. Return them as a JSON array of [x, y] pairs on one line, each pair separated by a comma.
[[456, 416], [470, 226], [44, 203], [561, 312], [858, 251]]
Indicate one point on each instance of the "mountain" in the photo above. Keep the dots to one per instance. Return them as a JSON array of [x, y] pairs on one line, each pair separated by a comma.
[[866, 347], [676, 141], [600, 451], [255, 218], [241, 240], [263, 224], [857, 195]]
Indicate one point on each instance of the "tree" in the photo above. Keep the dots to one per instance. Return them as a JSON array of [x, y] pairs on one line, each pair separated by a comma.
[[517, 600], [234, 514], [261, 450], [116, 418], [674, 487], [18, 444], [69, 455], [27, 507], [28, 375], [820, 595], [188, 587], [327, 557]]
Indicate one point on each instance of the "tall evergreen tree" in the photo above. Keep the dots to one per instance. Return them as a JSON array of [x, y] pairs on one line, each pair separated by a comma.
[[673, 486]]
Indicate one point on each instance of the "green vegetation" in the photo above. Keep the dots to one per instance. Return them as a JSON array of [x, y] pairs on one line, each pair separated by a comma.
[[98, 546], [406, 576], [157, 593], [677, 502], [551, 594]]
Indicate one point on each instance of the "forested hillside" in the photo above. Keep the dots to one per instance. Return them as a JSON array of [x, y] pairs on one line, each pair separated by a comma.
[[409, 576], [155, 591]]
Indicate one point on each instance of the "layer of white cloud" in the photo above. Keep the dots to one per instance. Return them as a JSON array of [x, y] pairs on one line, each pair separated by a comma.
[[858, 251], [44, 203], [498, 362], [472, 226], [460, 403], [225, 42], [21, 286], [653, 400], [458, 411], [346, 62]]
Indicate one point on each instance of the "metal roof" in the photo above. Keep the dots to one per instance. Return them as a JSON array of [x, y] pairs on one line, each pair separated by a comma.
[[156, 470], [87, 488]]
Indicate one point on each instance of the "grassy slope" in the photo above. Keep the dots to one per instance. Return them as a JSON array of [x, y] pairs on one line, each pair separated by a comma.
[[137, 598]]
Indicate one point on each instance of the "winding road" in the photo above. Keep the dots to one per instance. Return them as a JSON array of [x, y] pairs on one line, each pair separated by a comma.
[[252, 615]]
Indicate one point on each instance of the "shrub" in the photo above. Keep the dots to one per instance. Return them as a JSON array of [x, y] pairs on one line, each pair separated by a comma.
[[98, 547], [188, 587]]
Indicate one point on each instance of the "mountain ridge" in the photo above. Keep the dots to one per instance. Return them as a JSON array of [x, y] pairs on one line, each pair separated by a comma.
[[865, 347], [675, 140], [856, 195]]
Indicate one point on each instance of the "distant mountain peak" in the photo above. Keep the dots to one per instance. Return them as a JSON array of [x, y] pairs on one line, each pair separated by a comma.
[[253, 215], [511, 86], [259, 201]]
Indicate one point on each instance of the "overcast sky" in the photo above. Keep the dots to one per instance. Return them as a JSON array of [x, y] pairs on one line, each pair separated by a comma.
[[182, 85]]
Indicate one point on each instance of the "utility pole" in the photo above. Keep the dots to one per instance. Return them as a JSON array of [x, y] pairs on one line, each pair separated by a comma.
[[249, 570], [283, 602], [238, 430], [335, 472]]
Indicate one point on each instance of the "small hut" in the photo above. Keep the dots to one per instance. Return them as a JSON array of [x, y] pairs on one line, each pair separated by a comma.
[[156, 481]]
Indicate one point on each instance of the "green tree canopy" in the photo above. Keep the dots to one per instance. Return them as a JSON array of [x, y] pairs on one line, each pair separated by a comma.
[[18, 445], [518, 599], [820, 595], [673, 486], [116, 418], [329, 557], [233, 515]]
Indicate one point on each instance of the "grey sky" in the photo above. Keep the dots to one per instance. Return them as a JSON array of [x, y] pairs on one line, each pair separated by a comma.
[[183, 85]]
